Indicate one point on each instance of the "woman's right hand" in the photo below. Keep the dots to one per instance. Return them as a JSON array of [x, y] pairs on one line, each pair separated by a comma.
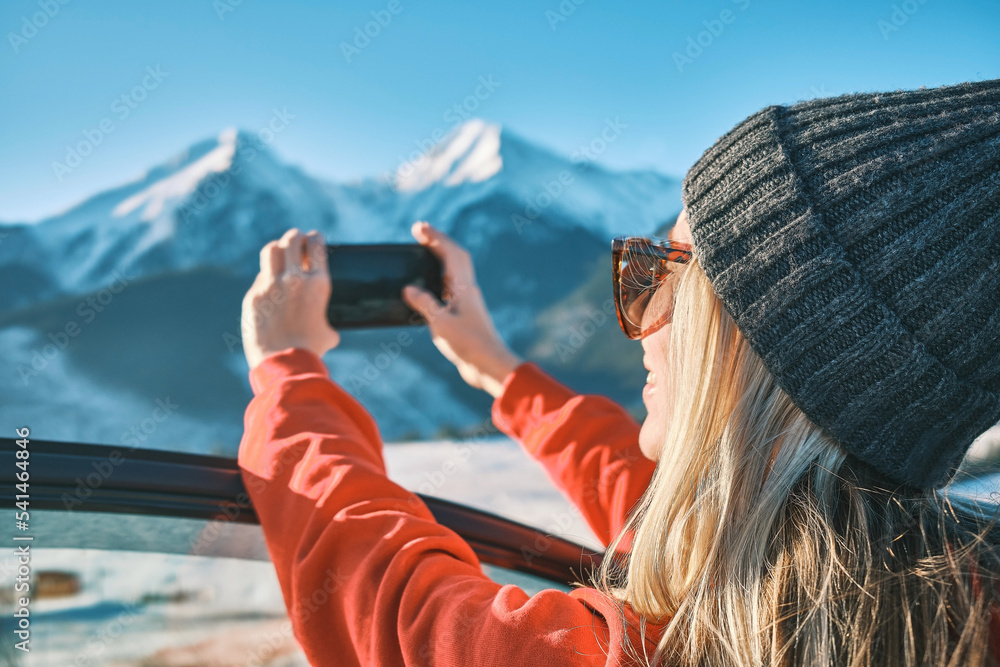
[[461, 327]]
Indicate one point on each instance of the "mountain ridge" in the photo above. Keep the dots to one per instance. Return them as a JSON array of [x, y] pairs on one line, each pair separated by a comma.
[[187, 235]]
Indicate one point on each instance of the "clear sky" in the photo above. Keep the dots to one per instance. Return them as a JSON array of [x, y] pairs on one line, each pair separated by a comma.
[[556, 71]]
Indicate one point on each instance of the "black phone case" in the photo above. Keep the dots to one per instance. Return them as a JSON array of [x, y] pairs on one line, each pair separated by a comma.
[[367, 281]]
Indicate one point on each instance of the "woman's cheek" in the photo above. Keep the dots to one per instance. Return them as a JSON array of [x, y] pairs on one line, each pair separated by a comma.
[[651, 433], [654, 427]]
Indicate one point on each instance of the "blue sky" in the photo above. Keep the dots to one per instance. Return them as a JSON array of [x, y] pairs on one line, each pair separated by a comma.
[[557, 72]]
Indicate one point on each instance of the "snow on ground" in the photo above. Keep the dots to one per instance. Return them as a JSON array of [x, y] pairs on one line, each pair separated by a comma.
[[494, 475]]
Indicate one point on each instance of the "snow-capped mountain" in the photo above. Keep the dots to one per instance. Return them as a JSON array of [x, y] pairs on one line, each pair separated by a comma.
[[183, 241], [213, 204]]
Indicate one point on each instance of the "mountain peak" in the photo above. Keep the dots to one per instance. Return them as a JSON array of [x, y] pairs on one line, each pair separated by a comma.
[[181, 176], [470, 153]]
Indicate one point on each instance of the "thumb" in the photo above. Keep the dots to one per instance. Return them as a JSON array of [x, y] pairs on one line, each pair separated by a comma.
[[422, 301]]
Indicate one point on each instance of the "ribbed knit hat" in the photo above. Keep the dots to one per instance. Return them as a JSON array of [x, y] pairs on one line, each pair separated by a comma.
[[856, 243]]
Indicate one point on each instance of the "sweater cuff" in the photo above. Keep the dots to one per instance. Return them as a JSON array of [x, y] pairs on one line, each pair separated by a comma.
[[288, 362], [526, 395]]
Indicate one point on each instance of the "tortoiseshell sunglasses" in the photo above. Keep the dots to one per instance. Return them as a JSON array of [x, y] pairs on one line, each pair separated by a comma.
[[644, 268]]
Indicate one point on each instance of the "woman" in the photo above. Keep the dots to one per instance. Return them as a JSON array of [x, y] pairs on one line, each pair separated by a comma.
[[821, 334]]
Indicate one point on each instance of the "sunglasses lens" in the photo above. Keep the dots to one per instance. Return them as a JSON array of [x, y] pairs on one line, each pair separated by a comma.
[[645, 291]]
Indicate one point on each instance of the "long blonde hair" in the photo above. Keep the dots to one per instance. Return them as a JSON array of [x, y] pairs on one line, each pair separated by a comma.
[[756, 545]]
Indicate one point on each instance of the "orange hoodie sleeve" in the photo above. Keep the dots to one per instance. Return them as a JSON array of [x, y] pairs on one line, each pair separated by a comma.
[[588, 444], [368, 576]]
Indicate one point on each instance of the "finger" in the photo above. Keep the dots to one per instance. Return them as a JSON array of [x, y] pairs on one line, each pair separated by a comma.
[[422, 301], [294, 244], [283, 241], [272, 260], [315, 253], [333, 338], [251, 293], [456, 259]]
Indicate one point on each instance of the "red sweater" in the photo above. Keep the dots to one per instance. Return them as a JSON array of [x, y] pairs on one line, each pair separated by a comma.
[[370, 578]]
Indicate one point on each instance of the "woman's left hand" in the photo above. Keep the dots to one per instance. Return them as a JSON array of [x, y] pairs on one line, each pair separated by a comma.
[[286, 305]]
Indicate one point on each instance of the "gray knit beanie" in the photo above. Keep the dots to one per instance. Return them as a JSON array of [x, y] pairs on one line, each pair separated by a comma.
[[856, 243]]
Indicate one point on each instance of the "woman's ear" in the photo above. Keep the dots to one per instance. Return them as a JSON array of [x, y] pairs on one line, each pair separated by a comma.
[[681, 231]]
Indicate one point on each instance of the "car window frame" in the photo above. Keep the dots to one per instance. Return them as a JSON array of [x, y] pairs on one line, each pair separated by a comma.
[[72, 476]]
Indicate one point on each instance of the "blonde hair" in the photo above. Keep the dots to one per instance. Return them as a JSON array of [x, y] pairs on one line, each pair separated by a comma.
[[756, 545]]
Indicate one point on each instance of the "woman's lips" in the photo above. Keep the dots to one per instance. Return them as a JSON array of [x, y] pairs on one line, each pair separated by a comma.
[[650, 387]]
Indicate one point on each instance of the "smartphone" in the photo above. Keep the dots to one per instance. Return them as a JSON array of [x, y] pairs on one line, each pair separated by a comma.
[[368, 281]]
